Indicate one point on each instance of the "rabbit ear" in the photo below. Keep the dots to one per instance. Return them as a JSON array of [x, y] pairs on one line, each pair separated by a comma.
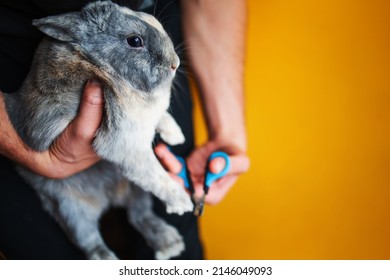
[[64, 27]]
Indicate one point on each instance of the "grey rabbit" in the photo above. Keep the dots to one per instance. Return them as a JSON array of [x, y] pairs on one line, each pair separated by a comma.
[[133, 57]]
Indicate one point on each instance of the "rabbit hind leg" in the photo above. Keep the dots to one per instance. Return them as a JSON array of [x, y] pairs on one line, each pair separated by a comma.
[[80, 220], [163, 238]]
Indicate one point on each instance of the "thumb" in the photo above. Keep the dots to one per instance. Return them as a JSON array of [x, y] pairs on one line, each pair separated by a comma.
[[90, 112], [217, 165]]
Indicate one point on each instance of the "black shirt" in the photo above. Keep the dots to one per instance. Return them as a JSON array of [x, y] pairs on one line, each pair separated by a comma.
[[26, 231]]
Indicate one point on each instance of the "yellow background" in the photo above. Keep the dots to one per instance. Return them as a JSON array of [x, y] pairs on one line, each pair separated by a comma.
[[318, 118]]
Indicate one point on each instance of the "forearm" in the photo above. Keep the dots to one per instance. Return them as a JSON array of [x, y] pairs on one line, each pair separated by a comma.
[[215, 34], [11, 145]]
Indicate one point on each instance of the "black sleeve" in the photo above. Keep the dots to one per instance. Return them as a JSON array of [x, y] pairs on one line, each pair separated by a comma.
[[19, 39]]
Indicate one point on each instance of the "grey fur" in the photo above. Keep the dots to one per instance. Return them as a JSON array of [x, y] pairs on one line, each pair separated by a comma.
[[136, 83]]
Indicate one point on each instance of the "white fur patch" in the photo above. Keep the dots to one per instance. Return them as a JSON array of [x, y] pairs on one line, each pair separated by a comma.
[[145, 17]]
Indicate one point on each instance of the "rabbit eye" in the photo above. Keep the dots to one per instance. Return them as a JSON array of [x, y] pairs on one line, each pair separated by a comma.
[[135, 41]]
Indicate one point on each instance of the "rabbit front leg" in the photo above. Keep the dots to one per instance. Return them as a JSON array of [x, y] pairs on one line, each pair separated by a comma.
[[145, 170], [169, 130]]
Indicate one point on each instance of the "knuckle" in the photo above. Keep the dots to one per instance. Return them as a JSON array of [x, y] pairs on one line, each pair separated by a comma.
[[82, 135], [93, 93], [93, 99]]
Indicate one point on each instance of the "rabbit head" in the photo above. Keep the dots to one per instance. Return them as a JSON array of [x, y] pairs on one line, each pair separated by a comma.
[[128, 44]]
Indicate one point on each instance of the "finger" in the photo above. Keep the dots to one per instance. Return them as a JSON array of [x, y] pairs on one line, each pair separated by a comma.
[[90, 112], [168, 159], [217, 165], [238, 164], [172, 168], [220, 189]]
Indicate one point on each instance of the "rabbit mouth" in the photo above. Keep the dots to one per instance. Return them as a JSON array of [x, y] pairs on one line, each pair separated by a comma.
[[173, 70], [166, 72]]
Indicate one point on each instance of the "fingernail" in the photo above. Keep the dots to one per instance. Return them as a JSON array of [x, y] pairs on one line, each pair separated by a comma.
[[217, 165], [94, 96], [94, 82], [159, 151]]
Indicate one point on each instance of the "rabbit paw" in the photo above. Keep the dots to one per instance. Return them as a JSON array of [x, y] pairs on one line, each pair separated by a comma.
[[173, 136], [169, 130], [170, 244], [179, 203], [101, 253]]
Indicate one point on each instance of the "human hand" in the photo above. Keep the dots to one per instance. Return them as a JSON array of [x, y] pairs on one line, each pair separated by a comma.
[[71, 152], [197, 161]]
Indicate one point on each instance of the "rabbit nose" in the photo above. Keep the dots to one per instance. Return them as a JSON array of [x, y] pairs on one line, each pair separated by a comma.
[[175, 64]]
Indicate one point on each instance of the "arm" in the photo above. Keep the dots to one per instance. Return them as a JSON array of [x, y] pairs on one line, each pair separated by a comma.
[[215, 32], [72, 151], [215, 35]]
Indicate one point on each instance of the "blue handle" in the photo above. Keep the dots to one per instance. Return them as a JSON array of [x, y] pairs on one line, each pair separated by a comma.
[[183, 172], [212, 177]]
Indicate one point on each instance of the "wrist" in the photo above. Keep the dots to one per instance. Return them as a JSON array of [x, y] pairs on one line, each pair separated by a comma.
[[229, 136], [226, 121]]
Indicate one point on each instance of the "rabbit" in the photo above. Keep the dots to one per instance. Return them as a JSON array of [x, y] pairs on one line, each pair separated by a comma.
[[134, 59]]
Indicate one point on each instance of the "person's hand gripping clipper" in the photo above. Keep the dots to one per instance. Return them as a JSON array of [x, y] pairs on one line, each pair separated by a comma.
[[209, 179]]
